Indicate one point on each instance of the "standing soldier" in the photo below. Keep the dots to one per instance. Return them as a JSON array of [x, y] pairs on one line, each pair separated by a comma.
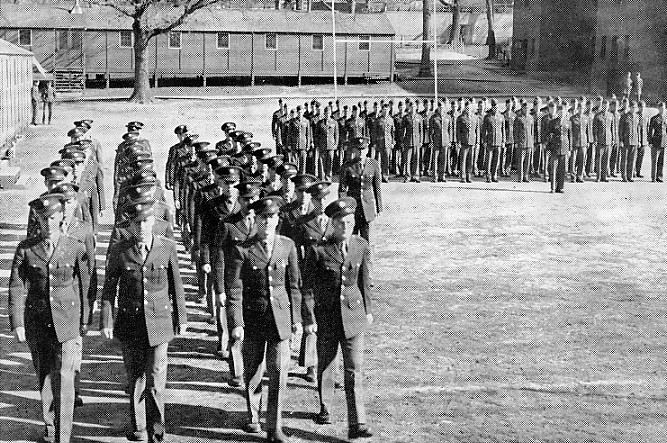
[[524, 139], [629, 136], [602, 131], [493, 135], [175, 151], [442, 130], [371, 119], [35, 98], [326, 144], [590, 153], [559, 144], [453, 165], [639, 85], [300, 139], [627, 85], [413, 137], [644, 119], [143, 273], [580, 125], [424, 156], [467, 128], [86, 125], [385, 136], [536, 153], [355, 126], [657, 136], [282, 146], [479, 153], [342, 140], [262, 285], [507, 151], [361, 180], [614, 157], [397, 149], [48, 97], [275, 125], [337, 283], [48, 286]]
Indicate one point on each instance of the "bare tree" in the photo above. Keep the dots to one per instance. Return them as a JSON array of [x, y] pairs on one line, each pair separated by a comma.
[[151, 18], [425, 66], [491, 36]]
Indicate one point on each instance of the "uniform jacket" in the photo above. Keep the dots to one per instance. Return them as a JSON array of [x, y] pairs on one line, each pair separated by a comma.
[[121, 231], [299, 134], [256, 283], [602, 128], [524, 131], [657, 132], [615, 128], [275, 122], [232, 232], [591, 131], [385, 133], [509, 116], [326, 136], [493, 130], [560, 134], [398, 129], [467, 130], [580, 125], [355, 127], [49, 290], [442, 130], [213, 216], [412, 133], [643, 129], [201, 197], [338, 287], [83, 231], [629, 127], [363, 183], [426, 118], [151, 301]]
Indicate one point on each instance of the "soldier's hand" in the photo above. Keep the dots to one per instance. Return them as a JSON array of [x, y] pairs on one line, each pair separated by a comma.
[[101, 212], [182, 329], [237, 333], [83, 330], [222, 299], [107, 333], [369, 318], [177, 204], [19, 334], [206, 268], [310, 329], [297, 328], [168, 186]]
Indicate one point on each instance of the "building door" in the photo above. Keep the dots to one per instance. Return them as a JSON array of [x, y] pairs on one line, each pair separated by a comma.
[[69, 49]]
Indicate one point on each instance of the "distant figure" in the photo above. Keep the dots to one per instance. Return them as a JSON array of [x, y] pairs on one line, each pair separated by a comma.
[[627, 85], [48, 97], [36, 97], [639, 84]]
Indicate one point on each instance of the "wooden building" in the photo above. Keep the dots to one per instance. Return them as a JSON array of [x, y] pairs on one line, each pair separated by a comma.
[[215, 42], [592, 43], [15, 84]]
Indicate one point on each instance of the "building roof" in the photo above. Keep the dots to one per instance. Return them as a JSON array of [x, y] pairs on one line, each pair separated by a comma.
[[7, 48], [50, 16]]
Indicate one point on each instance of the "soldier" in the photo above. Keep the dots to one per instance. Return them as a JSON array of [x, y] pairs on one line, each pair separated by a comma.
[[614, 157], [384, 140], [524, 139], [657, 136], [453, 165], [36, 99], [286, 190], [237, 228], [369, 130], [493, 135], [53, 176], [590, 153], [560, 134], [602, 131], [282, 133], [300, 205], [580, 129], [175, 151], [342, 141], [479, 153], [361, 180], [48, 287], [86, 125], [424, 159], [143, 273], [507, 151], [441, 128], [262, 285], [639, 85], [629, 137], [275, 124], [300, 138], [644, 119], [413, 137], [337, 284], [397, 149], [326, 143], [467, 128]]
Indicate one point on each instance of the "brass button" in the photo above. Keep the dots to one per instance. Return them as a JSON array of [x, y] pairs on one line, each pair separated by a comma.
[[145, 292], [342, 297], [145, 302], [271, 298]]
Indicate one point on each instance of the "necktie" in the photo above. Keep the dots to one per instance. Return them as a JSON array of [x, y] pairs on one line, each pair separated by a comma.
[[49, 248], [323, 222], [248, 222], [267, 247], [343, 249], [143, 248]]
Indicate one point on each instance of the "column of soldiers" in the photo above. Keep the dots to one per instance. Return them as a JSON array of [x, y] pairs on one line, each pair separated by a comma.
[[469, 138], [273, 263]]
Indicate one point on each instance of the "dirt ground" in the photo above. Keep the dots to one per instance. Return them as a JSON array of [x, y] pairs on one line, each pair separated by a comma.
[[503, 313]]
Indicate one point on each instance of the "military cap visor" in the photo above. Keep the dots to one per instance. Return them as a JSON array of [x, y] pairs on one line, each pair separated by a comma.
[[75, 132], [190, 138], [262, 154], [248, 189], [228, 126], [135, 124], [180, 129], [303, 181], [319, 189], [130, 135], [287, 169], [48, 204], [66, 163], [341, 207], [68, 190], [267, 205], [54, 173], [229, 173], [140, 212]]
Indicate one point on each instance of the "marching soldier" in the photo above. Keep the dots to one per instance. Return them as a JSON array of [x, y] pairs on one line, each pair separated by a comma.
[[524, 139], [300, 204], [86, 126], [48, 288], [286, 190], [559, 144], [361, 180], [175, 151], [262, 285], [467, 135], [602, 131], [442, 129], [657, 136], [355, 126], [629, 137], [337, 290], [385, 136], [143, 274]]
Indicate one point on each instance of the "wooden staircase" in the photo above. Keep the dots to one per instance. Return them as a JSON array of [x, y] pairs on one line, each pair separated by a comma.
[[69, 80]]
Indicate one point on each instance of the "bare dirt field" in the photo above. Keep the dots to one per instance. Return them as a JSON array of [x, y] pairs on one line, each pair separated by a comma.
[[503, 313]]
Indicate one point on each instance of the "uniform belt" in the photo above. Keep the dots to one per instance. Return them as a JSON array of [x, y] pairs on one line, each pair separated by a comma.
[[38, 304]]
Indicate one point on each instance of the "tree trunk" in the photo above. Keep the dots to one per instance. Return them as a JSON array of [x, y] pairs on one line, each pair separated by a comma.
[[455, 33], [491, 36], [425, 66], [142, 88]]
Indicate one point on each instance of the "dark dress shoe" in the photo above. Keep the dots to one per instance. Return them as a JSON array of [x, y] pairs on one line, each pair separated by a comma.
[[525, 180], [78, 401], [560, 191], [310, 375], [659, 180], [277, 437], [236, 382], [252, 428], [494, 180], [359, 431], [323, 418], [640, 176], [136, 435], [157, 438], [631, 180], [468, 180], [385, 180]]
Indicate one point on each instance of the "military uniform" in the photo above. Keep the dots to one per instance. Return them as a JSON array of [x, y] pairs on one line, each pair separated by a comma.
[[361, 180], [507, 159], [397, 149], [326, 142], [657, 136], [580, 129], [643, 141], [602, 131], [559, 144], [412, 136], [524, 140], [493, 135], [442, 130], [467, 135], [300, 140], [629, 137], [385, 136]]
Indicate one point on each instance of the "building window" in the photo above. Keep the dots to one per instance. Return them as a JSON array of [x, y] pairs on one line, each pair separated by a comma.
[[175, 40], [627, 47], [126, 39], [223, 40], [62, 39], [77, 38], [25, 37], [603, 47], [318, 42], [270, 41], [614, 48], [365, 45]]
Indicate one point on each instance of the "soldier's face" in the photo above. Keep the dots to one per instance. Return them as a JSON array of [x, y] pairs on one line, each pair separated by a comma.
[[266, 224], [343, 227], [69, 208], [50, 184], [143, 229], [51, 224], [222, 184], [302, 197]]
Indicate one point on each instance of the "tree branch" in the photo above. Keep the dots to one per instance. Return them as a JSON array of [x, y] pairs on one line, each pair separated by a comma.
[[115, 5], [189, 8]]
